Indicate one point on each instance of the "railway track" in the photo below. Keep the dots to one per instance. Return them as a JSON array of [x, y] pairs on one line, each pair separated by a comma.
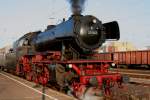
[[133, 71], [144, 74], [141, 77]]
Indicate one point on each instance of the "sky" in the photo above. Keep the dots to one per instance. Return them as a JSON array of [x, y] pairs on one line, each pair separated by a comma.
[[18, 17]]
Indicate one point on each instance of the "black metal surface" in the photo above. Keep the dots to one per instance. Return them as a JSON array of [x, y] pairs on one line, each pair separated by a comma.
[[85, 31], [112, 30], [82, 33], [90, 35]]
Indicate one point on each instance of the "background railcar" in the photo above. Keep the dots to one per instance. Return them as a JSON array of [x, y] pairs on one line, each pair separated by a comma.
[[132, 59], [3, 56], [2, 59]]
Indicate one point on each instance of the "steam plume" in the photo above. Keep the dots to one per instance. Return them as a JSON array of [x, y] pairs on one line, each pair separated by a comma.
[[77, 6]]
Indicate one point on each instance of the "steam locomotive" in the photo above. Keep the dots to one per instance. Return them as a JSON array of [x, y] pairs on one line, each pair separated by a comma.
[[59, 55]]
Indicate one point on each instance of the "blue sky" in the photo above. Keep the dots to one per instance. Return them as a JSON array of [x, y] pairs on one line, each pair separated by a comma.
[[18, 17]]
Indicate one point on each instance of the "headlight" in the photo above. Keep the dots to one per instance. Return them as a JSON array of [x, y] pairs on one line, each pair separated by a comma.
[[113, 64], [70, 65], [94, 21]]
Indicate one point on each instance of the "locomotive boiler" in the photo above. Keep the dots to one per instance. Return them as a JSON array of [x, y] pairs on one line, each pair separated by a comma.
[[80, 32]]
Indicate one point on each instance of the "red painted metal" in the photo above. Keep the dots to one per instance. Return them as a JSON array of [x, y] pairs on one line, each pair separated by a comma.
[[139, 59], [76, 69], [42, 76], [26, 64], [114, 56], [144, 57], [128, 58], [104, 68], [85, 70], [100, 72], [149, 57], [121, 58], [26, 67], [133, 57]]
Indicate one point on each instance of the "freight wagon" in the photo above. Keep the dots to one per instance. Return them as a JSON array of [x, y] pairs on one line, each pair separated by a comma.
[[133, 58], [127, 58]]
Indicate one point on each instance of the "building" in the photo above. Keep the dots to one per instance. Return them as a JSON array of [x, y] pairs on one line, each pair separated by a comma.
[[117, 46], [5, 49]]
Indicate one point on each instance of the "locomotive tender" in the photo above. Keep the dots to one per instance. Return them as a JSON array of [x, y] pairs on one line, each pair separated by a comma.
[[58, 55]]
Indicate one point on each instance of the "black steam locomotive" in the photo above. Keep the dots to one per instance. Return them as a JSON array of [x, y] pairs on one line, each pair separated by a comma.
[[48, 56], [81, 32]]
